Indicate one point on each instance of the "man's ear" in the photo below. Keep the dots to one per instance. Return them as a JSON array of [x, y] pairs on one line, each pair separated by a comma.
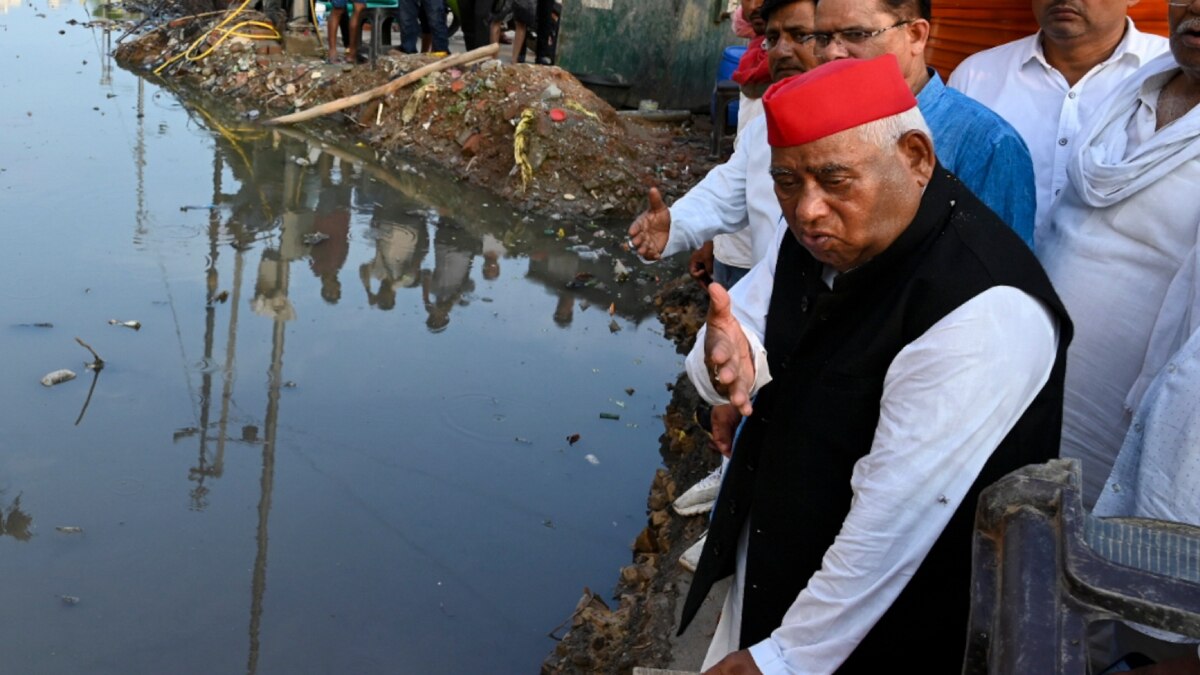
[[918, 35], [917, 150]]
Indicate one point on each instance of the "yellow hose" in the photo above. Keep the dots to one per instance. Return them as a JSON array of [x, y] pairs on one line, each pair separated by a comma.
[[226, 33]]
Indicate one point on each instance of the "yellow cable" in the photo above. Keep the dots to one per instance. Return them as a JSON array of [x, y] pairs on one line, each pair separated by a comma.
[[226, 33]]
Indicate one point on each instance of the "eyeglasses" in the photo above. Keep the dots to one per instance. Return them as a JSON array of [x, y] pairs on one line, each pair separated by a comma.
[[849, 37], [770, 41]]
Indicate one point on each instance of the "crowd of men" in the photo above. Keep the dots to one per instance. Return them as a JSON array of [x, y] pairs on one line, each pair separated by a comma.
[[935, 284]]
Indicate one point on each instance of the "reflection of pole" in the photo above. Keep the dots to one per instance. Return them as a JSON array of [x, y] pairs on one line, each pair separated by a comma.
[[139, 157], [106, 60], [230, 352], [258, 586], [210, 317]]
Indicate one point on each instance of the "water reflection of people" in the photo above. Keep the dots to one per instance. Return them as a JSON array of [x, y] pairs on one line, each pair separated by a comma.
[[14, 522], [450, 280], [332, 219], [560, 268], [399, 249], [493, 251]]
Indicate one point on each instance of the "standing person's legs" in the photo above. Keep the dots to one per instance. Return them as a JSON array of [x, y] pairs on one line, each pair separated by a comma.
[[335, 19], [545, 31], [360, 11], [435, 18], [410, 26], [519, 43], [475, 18], [466, 10]]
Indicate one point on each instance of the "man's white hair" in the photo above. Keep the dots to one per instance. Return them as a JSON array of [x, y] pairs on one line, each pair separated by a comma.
[[885, 132]]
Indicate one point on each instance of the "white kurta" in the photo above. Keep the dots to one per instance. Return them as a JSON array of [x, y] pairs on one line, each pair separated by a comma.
[[735, 195], [737, 249], [1015, 80], [949, 399], [1115, 241]]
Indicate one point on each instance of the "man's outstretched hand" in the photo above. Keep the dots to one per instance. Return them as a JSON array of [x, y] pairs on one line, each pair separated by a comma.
[[727, 352], [650, 230]]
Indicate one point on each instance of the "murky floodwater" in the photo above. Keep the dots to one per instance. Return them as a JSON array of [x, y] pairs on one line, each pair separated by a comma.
[[338, 457]]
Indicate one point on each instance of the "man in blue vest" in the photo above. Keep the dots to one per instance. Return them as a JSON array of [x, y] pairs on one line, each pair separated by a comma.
[[900, 349]]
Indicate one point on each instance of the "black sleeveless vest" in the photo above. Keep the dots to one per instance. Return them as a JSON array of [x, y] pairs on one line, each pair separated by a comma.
[[828, 352]]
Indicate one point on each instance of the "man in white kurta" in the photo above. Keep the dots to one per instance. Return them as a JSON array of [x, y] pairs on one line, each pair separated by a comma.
[[950, 396], [1047, 85], [1118, 238]]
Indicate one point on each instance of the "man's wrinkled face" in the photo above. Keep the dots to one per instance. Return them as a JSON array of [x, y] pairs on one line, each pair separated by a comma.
[[750, 13], [842, 25], [786, 54], [1070, 19], [1184, 22], [846, 199]]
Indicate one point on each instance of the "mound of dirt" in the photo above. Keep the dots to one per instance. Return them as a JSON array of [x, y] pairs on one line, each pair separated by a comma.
[[532, 134]]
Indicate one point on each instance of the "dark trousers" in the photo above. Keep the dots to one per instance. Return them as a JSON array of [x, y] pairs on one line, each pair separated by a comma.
[[545, 30], [476, 22], [432, 14]]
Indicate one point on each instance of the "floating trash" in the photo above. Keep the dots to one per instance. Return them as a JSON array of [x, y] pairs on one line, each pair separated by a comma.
[[314, 238], [620, 271], [614, 327], [69, 529], [609, 416], [69, 600], [573, 439], [136, 325], [592, 459], [58, 377]]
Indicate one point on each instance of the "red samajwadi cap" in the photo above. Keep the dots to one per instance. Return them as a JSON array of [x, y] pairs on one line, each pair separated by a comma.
[[837, 96]]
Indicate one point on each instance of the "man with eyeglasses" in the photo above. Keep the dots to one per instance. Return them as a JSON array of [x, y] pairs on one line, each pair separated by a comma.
[[974, 143], [1047, 85]]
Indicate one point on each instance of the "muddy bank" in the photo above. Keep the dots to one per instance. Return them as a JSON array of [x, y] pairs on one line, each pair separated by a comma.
[[614, 632], [531, 134]]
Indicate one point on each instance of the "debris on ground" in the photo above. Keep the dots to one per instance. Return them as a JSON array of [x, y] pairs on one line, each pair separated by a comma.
[[533, 134]]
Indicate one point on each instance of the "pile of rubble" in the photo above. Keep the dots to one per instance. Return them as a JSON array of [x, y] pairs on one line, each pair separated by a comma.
[[532, 134]]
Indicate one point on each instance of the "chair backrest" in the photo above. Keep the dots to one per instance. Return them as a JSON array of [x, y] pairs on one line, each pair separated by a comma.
[[1044, 569]]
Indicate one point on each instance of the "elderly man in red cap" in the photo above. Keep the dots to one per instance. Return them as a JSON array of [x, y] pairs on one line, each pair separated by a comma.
[[900, 350]]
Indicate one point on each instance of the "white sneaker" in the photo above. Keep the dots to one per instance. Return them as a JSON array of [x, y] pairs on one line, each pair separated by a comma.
[[700, 497], [691, 557]]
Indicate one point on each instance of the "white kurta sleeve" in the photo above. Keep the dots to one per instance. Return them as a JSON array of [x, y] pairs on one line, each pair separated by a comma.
[[750, 298], [715, 205], [949, 399]]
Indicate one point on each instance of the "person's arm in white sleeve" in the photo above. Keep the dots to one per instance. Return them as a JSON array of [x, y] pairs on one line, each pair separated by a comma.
[[750, 298], [949, 399], [715, 205]]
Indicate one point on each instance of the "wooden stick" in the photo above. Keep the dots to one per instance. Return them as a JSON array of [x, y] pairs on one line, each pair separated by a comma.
[[99, 362], [385, 89]]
